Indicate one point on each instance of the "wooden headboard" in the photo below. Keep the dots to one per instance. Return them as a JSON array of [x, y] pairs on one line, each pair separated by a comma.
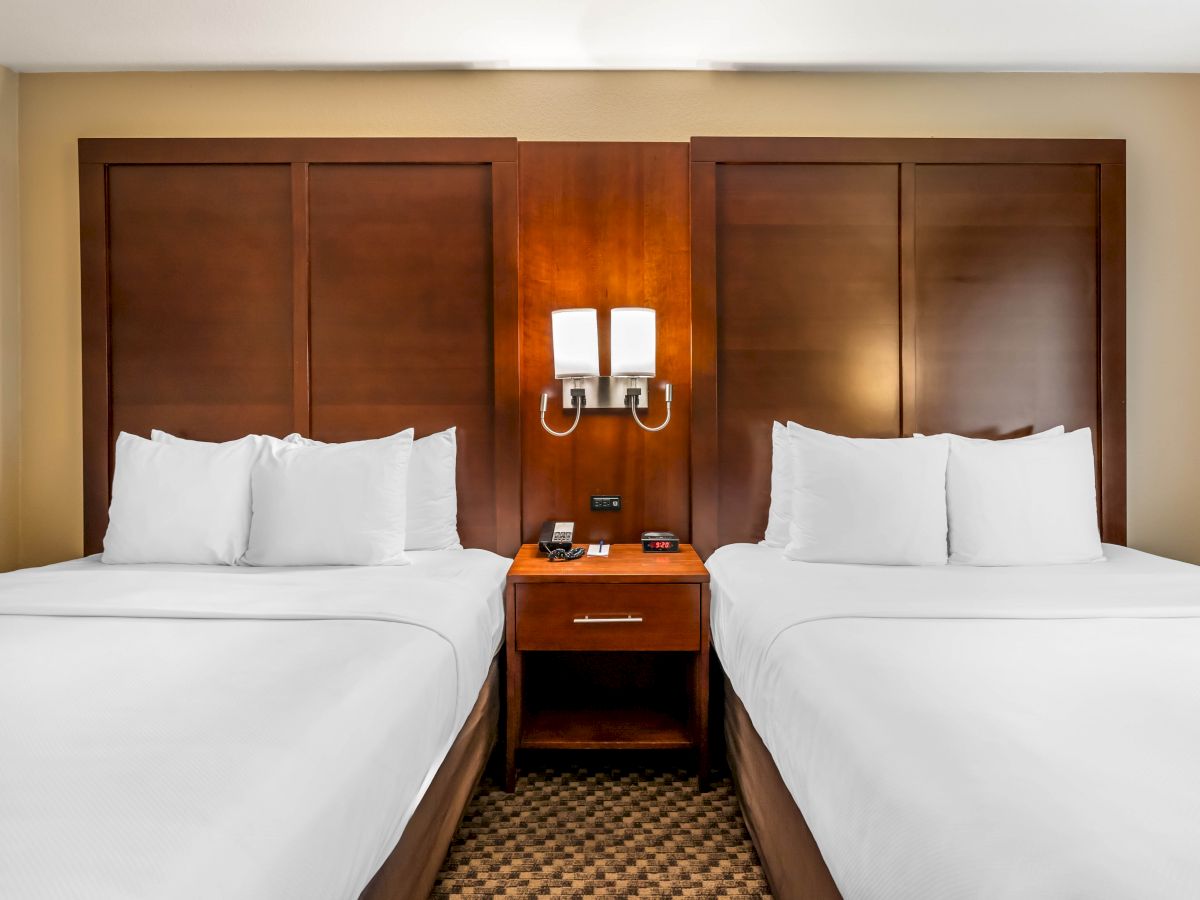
[[340, 288], [881, 287]]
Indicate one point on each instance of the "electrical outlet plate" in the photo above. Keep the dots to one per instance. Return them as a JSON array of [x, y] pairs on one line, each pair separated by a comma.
[[606, 502]]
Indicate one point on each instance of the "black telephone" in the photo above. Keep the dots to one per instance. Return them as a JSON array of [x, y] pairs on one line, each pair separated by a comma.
[[556, 536]]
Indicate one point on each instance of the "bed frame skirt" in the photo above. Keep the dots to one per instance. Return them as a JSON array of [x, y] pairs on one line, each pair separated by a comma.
[[789, 855], [410, 871]]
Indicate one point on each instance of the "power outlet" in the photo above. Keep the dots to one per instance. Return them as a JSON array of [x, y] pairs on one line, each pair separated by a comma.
[[606, 502]]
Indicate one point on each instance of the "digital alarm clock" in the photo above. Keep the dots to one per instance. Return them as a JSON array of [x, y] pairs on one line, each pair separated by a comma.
[[660, 542]]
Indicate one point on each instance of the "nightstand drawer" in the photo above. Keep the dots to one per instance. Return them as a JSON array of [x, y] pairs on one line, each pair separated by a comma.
[[608, 617]]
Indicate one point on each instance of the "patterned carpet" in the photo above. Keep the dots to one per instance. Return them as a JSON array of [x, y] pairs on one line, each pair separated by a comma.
[[602, 832]]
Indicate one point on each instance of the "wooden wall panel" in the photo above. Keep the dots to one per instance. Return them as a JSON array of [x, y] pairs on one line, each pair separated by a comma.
[[808, 317], [867, 287], [200, 279], [1113, 459], [1006, 312], [605, 225], [1006, 279], [342, 287], [1005, 319], [401, 311]]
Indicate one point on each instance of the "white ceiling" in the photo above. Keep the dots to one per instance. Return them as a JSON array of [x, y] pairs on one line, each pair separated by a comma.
[[1001, 35]]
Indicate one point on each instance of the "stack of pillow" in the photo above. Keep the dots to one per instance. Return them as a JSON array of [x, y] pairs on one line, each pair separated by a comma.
[[923, 501], [265, 501]]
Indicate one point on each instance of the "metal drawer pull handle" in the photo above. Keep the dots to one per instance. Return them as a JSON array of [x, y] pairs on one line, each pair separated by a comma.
[[588, 620]]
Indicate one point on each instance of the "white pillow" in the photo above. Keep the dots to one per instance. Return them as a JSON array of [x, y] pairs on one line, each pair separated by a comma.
[[168, 438], [330, 505], [185, 502], [779, 516], [877, 501], [1023, 503], [432, 493]]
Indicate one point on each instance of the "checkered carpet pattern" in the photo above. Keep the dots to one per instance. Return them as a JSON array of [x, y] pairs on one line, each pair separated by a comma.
[[579, 832]]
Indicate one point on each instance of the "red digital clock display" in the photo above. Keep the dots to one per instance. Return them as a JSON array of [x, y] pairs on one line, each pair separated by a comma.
[[660, 542]]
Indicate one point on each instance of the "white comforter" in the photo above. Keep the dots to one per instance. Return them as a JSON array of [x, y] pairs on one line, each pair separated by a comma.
[[958, 732], [211, 732]]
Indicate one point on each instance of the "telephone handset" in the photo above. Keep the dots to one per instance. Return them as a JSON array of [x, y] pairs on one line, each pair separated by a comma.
[[556, 536]]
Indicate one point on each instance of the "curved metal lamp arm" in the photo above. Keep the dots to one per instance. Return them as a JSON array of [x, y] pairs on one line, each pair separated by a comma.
[[667, 389], [577, 401]]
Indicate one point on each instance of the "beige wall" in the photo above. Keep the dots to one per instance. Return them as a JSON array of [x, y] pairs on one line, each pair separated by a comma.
[[1158, 115], [10, 322]]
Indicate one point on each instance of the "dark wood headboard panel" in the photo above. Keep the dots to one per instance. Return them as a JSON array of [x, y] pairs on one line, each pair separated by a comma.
[[880, 287], [341, 288]]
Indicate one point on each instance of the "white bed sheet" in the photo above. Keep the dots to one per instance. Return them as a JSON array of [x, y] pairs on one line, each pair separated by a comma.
[[958, 732], [204, 732]]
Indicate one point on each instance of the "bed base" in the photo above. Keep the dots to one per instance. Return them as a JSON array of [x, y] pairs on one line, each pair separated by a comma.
[[410, 871], [789, 855]]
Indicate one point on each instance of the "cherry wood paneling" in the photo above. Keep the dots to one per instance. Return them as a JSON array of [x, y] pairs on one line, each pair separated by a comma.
[[401, 310], [1112, 354], [995, 272], [506, 357], [954, 151], [95, 369], [705, 450], [1005, 274], [808, 322], [200, 279], [244, 151], [1005, 319], [346, 288], [605, 225], [301, 382]]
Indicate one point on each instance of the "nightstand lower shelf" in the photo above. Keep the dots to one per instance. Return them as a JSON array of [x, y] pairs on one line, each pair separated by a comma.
[[607, 728]]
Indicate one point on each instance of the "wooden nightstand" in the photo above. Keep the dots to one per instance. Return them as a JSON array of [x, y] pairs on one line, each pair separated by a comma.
[[607, 653]]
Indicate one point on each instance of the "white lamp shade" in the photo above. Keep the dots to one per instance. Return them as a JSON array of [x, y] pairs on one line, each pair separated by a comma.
[[633, 340], [576, 343]]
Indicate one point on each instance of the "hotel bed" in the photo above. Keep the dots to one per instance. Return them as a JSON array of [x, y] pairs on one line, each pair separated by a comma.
[[883, 288], [210, 731], [959, 731], [296, 720]]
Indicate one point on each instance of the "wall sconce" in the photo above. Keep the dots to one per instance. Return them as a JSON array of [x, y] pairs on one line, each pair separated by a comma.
[[577, 363]]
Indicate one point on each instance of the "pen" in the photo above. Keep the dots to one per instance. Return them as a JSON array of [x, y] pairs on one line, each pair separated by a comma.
[[601, 545]]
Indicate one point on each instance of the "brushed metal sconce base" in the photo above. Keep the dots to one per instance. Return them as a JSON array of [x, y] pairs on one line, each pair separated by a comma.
[[606, 391]]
